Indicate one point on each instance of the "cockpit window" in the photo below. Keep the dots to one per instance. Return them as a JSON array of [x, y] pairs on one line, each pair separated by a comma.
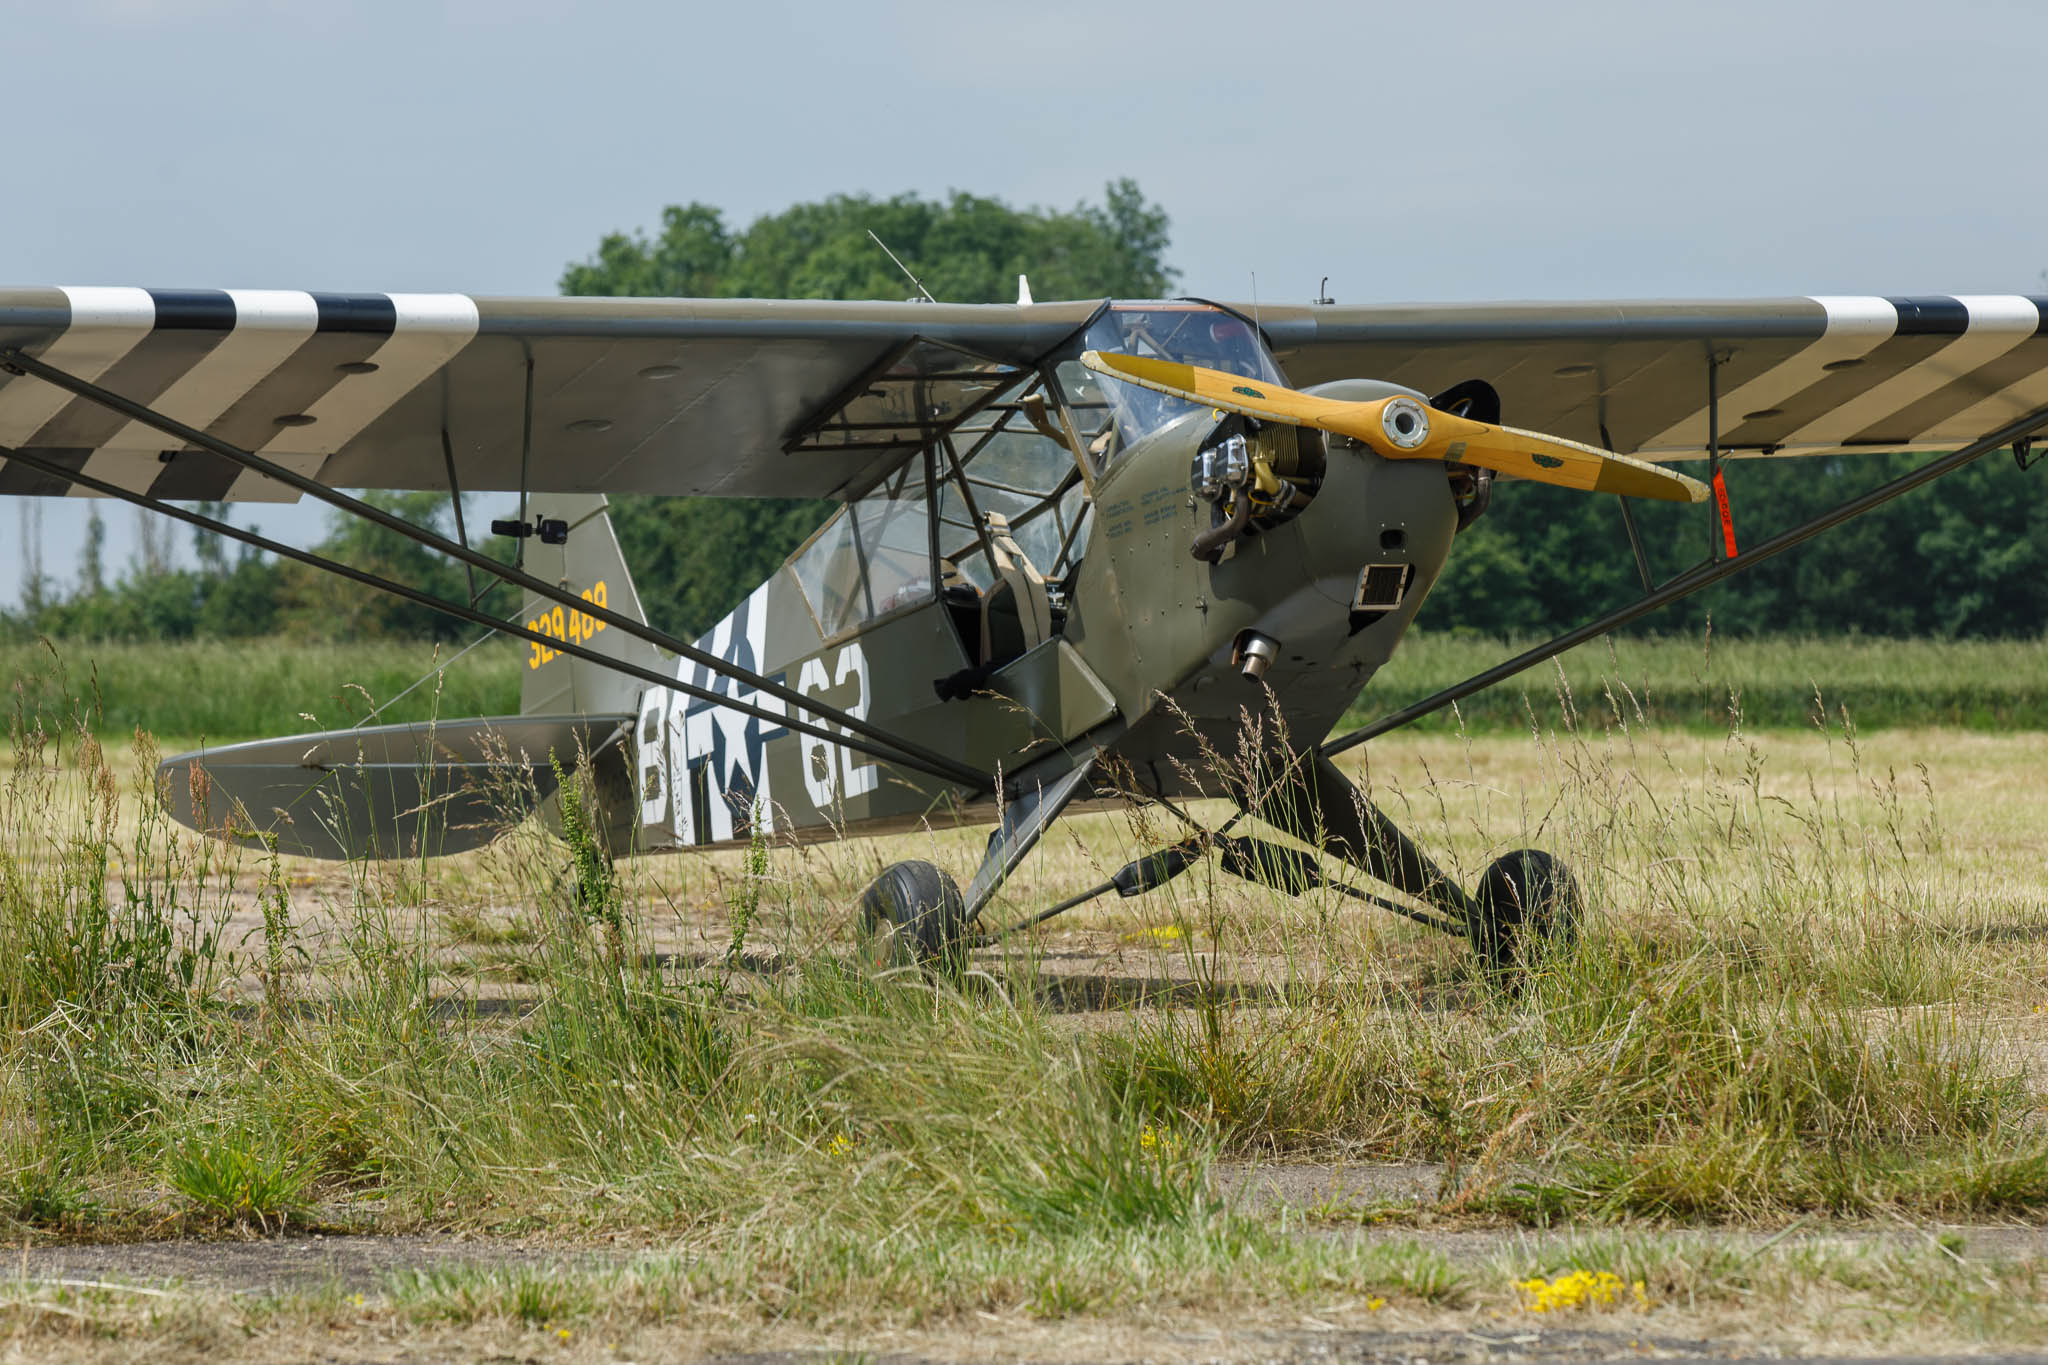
[[925, 526], [1115, 414], [1006, 463], [872, 558], [1191, 333]]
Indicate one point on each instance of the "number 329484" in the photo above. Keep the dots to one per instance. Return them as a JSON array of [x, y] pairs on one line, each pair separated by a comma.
[[558, 624]]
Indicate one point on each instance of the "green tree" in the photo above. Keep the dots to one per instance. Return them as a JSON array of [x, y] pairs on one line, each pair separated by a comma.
[[694, 559], [92, 555], [1963, 557], [319, 605], [965, 248], [690, 259]]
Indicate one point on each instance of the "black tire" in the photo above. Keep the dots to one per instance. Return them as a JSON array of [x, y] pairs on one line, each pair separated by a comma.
[[1527, 904], [913, 915]]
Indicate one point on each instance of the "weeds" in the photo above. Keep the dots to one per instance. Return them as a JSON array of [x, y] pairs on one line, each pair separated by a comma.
[[47, 1196], [1762, 1020], [1778, 1006], [230, 1177]]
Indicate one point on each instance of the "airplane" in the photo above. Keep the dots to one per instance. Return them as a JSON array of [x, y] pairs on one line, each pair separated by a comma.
[[1083, 546]]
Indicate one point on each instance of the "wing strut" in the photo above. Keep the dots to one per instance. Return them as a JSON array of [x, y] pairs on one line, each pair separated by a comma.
[[1628, 517], [1700, 576], [469, 613], [455, 501], [904, 751], [1714, 479]]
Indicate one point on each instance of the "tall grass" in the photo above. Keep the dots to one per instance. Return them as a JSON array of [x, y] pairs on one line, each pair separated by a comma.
[[1776, 1007], [630, 1091], [1773, 1010], [233, 690]]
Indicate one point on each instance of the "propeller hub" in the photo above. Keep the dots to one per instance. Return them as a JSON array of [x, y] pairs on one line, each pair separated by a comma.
[[1406, 422]]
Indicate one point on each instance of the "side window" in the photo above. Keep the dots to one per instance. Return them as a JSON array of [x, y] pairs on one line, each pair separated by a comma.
[[1006, 465], [1053, 531], [872, 558]]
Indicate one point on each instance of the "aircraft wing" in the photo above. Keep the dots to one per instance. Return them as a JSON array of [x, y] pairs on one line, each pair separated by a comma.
[[698, 397], [778, 398], [1795, 376]]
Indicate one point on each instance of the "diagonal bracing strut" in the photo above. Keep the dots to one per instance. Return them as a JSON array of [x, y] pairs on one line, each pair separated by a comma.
[[458, 610], [903, 750], [1700, 576]]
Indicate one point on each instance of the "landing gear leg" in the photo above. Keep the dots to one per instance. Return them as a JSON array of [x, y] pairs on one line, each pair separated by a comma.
[[1526, 901], [1319, 806]]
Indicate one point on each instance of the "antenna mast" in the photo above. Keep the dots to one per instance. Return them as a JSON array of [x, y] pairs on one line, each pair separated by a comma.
[[902, 267]]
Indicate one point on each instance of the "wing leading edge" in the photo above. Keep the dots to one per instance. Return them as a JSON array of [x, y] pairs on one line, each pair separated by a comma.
[[676, 396], [703, 397], [1793, 376]]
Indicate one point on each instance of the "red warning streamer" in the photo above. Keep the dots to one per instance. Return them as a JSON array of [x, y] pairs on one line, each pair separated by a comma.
[[1727, 515]]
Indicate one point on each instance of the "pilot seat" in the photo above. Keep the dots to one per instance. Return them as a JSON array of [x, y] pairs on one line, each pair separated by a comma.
[[1016, 612]]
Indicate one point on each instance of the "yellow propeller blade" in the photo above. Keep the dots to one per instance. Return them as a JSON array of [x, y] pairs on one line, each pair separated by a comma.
[[1402, 428]]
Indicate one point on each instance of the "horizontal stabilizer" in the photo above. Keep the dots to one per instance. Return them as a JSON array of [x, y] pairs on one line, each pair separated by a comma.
[[386, 791]]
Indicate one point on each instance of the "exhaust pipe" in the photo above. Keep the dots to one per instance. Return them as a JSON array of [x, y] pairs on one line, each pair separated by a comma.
[[1252, 654]]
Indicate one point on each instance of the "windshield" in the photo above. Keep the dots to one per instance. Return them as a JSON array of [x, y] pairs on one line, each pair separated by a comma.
[[1191, 333]]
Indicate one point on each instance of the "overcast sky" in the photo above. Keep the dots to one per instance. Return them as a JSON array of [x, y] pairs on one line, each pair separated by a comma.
[[1415, 151]]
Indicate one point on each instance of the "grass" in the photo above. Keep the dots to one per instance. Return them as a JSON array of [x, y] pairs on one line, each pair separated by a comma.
[[45, 1197], [1810, 990], [233, 690], [227, 1177], [1678, 1291], [227, 690], [1785, 1005], [1700, 684]]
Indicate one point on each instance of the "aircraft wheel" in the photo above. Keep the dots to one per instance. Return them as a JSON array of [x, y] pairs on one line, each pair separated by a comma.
[[913, 915], [1528, 902]]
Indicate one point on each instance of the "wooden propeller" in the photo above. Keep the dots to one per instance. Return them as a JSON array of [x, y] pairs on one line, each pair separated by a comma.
[[1404, 428]]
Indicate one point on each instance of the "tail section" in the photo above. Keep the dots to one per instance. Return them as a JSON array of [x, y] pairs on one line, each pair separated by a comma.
[[444, 786], [589, 564]]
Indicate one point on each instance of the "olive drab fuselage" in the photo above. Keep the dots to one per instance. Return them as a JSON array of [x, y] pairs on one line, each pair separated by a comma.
[[1141, 667]]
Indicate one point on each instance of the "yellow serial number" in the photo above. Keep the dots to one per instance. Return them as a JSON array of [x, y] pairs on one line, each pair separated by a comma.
[[561, 625]]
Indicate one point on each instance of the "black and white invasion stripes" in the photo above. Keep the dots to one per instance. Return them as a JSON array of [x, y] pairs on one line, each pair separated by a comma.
[[698, 397], [293, 376], [1886, 373]]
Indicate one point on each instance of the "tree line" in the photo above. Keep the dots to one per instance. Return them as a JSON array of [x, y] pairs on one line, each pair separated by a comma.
[[1964, 557]]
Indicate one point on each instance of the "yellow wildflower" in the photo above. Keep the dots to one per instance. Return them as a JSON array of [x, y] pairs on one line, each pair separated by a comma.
[[1374, 1305], [842, 1145], [1159, 1141], [1579, 1289], [561, 1334]]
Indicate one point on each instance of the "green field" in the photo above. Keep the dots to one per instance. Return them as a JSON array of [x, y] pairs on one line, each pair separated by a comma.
[[1708, 684], [246, 690]]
